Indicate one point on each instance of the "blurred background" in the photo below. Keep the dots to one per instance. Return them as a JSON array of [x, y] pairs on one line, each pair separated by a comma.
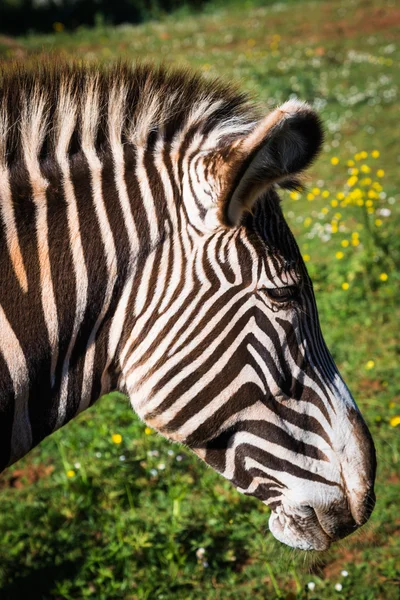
[[105, 508]]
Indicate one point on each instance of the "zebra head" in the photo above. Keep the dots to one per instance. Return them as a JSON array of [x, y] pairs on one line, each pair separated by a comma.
[[237, 368]]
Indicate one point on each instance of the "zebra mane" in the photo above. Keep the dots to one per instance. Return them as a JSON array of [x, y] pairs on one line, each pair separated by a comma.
[[56, 108]]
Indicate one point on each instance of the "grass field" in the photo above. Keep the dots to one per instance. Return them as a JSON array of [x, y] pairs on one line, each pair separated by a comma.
[[107, 509]]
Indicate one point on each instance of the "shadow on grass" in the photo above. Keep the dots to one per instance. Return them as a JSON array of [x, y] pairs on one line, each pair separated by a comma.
[[36, 584]]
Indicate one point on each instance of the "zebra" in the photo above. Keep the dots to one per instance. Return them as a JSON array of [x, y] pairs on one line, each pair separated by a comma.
[[143, 249]]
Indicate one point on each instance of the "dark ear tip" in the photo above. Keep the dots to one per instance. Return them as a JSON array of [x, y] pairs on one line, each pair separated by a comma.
[[308, 126]]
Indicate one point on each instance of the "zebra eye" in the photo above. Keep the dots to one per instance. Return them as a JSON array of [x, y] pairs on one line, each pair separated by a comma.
[[283, 294]]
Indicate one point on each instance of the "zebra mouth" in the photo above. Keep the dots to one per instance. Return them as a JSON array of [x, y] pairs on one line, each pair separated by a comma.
[[303, 531]]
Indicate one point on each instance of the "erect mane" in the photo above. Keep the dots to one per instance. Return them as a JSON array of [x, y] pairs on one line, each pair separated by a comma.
[[56, 103]]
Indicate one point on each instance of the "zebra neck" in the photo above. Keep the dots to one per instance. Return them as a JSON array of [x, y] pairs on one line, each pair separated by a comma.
[[82, 233]]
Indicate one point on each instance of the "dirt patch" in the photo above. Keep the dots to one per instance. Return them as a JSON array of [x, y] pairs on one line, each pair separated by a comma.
[[370, 385], [366, 20], [346, 552], [324, 25], [20, 478]]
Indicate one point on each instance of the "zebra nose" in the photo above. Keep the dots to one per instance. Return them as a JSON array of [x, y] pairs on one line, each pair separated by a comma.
[[342, 517], [362, 504], [358, 470]]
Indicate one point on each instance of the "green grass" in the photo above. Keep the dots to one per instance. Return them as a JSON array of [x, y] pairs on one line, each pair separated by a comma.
[[129, 522]]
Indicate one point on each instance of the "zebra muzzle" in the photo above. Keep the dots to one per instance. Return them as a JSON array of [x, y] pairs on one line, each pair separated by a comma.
[[315, 528]]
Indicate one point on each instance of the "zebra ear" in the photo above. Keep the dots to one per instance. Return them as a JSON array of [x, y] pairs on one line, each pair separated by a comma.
[[283, 144]]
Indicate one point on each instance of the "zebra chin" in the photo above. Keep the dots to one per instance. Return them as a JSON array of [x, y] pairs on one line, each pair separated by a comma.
[[301, 532]]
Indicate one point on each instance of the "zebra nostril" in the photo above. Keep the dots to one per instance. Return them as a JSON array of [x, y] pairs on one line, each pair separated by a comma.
[[362, 505], [336, 521]]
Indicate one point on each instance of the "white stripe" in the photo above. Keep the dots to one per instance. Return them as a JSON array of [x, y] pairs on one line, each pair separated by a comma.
[[66, 118], [7, 213], [33, 129], [89, 128], [117, 325], [115, 119], [146, 195], [10, 348]]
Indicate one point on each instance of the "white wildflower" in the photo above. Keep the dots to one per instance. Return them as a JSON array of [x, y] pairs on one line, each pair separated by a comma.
[[338, 587], [200, 552], [311, 586]]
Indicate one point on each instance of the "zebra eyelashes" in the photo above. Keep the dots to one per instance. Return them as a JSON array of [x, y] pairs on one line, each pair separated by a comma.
[[282, 145], [283, 295]]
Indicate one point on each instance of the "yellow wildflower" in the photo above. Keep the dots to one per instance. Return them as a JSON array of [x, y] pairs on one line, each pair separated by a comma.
[[383, 276], [350, 163], [357, 156], [307, 221], [355, 234], [370, 211], [355, 242], [354, 171], [116, 438], [356, 193], [306, 257], [394, 421], [71, 473], [325, 210], [377, 186], [345, 285], [339, 255], [334, 160], [366, 181], [375, 154], [370, 365], [334, 203], [380, 173], [310, 196], [365, 169], [315, 191], [369, 203], [148, 431], [364, 155], [294, 195], [378, 222], [352, 180], [345, 243], [325, 194], [338, 215]]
